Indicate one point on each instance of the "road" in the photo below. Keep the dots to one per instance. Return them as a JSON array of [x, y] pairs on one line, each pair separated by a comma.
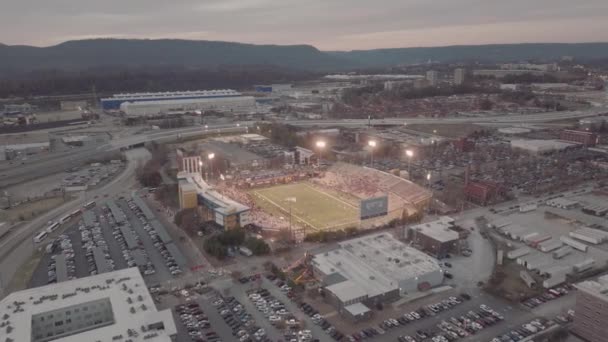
[[56, 162], [18, 246]]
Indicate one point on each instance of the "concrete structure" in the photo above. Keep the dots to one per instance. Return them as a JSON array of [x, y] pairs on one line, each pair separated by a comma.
[[562, 203], [591, 319], [373, 269], [459, 76], [213, 206], [97, 308], [529, 66], [73, 104], [233, 156], [16, 150], [432, 76], [580, 137], [190, 164], [540, 146], [187, 196], [503, 73], [513, 130], [436, 238]]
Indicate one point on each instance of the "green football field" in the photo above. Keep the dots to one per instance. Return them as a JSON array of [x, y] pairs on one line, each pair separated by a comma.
[[314, 208]]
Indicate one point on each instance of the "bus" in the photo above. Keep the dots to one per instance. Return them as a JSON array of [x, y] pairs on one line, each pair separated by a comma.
[[52, 227], [40, 236], [89, 205], [65, 219]]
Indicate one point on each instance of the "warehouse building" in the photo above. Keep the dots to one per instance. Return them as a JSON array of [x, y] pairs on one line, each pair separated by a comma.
[[113, 306], [114, 102], [541, 146], [373, 269], [437, 238], [232, 104]]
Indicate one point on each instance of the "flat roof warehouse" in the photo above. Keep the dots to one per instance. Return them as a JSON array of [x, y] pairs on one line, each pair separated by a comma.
[[378, 264]]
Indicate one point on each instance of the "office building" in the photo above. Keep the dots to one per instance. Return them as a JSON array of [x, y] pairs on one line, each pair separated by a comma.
[[432, 77], [108, 307], [591, 318], [459, 76], [437, 238], [580, 137]]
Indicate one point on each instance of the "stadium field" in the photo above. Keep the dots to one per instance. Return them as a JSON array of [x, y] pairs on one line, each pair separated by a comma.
[[312, 207]]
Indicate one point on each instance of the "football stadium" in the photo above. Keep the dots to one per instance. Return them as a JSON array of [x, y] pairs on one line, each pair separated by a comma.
[[345, 195], [309, 206]]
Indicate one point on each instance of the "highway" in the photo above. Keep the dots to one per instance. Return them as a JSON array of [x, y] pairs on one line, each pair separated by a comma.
[[55, 162]]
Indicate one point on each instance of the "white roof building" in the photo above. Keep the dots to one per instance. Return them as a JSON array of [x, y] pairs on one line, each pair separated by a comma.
[[379, 264], [540, 146], [113, 306]]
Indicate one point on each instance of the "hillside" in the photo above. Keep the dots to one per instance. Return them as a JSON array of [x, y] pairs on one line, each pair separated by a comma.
[[482, 53], [129, 53], [95, 53]]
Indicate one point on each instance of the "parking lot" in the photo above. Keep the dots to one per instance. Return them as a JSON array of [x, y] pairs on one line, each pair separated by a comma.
[[112, 235]]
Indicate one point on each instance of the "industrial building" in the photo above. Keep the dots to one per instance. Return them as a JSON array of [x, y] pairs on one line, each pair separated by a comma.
[[591, 310], [194, 192], [114, 102], [169, 103], [580, 137], [113, 306], [373, 269], [437, 238], [483, 192]]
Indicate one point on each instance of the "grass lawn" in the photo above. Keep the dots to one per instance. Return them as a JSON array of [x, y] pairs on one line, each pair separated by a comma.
[[314, 208], [28, 211]]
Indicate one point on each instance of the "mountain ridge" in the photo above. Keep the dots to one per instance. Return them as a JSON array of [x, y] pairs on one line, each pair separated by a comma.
[[109, 52]]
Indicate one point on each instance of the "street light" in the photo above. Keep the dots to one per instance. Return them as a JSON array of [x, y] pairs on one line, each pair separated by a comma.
[[428, 179], [372, 144], [409, 154], [321, 146]]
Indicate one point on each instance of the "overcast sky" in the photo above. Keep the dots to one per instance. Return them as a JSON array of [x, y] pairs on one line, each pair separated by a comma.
[[326, 24]]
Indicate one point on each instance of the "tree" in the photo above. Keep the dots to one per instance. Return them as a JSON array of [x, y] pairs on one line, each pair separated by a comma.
[[257, 246], [232, 237], [214, 247], [188, 219]]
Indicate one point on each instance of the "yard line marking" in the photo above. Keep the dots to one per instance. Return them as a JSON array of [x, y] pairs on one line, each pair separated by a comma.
[[331, 196], [287, 211]]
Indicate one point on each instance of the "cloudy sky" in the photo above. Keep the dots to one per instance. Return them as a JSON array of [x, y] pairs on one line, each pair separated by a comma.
[[326, 24]]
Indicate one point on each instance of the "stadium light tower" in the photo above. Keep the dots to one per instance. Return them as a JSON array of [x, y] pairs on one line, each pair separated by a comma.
[[409, 153], [428, 179], [210, 156], [320, 146], [372, 144]]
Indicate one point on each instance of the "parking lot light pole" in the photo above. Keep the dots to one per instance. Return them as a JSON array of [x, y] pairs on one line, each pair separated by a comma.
[[372, 144]]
